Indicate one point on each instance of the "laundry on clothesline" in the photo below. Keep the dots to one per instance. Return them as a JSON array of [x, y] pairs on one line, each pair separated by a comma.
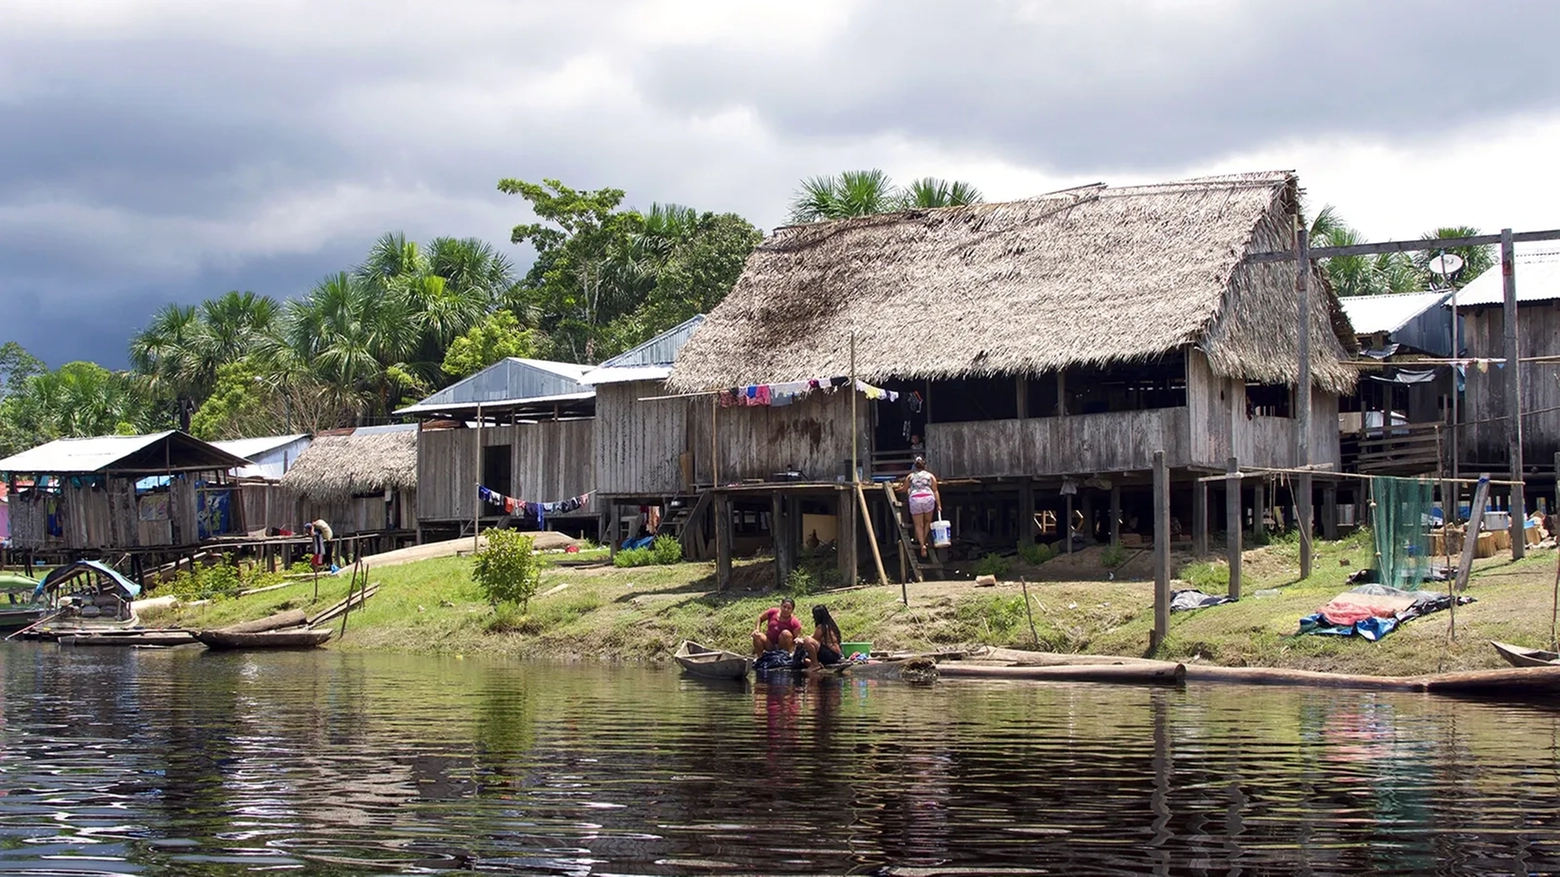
[[786, 392], [538, 510]]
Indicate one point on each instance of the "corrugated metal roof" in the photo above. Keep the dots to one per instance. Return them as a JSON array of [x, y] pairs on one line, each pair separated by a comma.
[[508, 381], [248, 447], [651, 360], [1369, 314], [1538, 279], [132, 453]]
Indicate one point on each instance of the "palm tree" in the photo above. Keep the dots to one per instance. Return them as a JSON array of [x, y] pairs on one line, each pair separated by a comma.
[[166, 351], [864, 193], [934, 192], [1475, 260], [356, 338], [1360, 275]]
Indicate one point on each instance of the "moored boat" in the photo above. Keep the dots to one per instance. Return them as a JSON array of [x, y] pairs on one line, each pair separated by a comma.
[[698, 660], [84, 597], [306, 638], [1522, 656], [157, 639], [20, 603]]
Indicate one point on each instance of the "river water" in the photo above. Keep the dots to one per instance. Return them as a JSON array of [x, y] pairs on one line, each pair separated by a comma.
[[187, 762]]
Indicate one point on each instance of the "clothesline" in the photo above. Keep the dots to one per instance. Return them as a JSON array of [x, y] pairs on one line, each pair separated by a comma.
[[1248, 471], [790, 390], [538, 510]]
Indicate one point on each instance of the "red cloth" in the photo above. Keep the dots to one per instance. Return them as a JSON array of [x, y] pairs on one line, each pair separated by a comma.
[[772, 617], [1351, 608]]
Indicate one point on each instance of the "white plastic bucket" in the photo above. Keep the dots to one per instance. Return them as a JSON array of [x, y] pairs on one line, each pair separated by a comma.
[[942, 534]]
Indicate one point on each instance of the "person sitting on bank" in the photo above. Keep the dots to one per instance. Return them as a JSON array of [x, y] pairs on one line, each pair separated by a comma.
[[322, 541], [823, 647], [925, 499], [777, 628]]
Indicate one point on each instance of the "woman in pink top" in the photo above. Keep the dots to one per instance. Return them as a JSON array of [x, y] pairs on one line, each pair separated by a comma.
[[777, 628]]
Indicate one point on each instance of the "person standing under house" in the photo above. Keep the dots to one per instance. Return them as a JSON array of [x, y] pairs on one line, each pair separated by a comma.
[[924, 498], [323, 535]]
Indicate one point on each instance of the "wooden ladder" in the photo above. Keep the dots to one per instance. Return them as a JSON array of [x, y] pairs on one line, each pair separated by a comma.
[[908, 555], [685, 525]]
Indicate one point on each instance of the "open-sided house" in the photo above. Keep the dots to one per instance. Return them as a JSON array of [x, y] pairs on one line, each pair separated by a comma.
[[159, 493], [1042, 349], [522, 429], [1395, 422], [361, 481]]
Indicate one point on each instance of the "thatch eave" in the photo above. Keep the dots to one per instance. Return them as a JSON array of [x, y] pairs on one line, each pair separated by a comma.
[[338, 467]]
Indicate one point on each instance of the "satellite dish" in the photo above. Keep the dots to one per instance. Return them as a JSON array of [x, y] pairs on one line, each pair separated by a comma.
[[1446, 264]]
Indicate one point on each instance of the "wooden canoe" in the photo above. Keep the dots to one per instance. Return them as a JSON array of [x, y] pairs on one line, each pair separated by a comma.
[[270, 639], [127, 638], [1522, 656], [697, 660]]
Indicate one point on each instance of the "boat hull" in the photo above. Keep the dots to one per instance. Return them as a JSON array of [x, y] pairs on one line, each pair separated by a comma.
[[697, 660], [271, 639], [1521, 656]]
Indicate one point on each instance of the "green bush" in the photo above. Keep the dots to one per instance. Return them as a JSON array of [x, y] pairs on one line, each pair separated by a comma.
[[992, 565], [1034, 553], [1113, 556], [666, 550], [508, 570], [628, 557], [216, 582], [800, 582]]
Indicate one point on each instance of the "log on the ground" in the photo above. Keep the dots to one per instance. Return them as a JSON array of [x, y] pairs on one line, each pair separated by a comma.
[[1157, 673], [1025, 658], [1505, 682], [290, 618], [1279, 676]]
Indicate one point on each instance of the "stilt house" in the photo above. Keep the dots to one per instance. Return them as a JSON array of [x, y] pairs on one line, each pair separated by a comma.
[[363, 482], [266, 505], [140, 494], [1397, 420], [1484, 421], [1042, 349], [522, 428]]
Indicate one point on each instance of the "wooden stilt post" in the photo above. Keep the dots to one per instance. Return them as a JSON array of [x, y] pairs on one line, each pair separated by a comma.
[[1026, 512], [1115, 511], [1518, 505], [722, 541], [778, 531], [1330, 510], [866, 521], [1200, 518], [1232, 523], [845, 536], [1303, 401], [476, 484], [1259, 506], [1161, 550], [1067, 525]]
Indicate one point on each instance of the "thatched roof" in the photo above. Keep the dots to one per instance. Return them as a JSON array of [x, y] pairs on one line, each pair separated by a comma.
[[1089, 276], [336, 467]]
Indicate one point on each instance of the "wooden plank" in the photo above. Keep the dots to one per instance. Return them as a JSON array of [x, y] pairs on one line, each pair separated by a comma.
[[1200, 519], [1518, 503], [866, 521], [1161, 550], [1481, 496], [1232, 523], [1417, 245]]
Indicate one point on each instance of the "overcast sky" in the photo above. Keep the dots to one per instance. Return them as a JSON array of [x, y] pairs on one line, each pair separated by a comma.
[[171, 150]]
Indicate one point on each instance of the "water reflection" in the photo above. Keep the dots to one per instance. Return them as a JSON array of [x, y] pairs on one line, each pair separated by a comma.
[[183, 762]]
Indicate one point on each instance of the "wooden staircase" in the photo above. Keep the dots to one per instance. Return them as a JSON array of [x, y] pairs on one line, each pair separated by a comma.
[[685, 523]]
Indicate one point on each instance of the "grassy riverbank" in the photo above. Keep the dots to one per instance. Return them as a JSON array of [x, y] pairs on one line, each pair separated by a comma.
[[598, 611]]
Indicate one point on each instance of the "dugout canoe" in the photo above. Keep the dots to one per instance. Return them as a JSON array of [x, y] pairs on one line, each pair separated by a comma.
[[269, 639], [699, 660]]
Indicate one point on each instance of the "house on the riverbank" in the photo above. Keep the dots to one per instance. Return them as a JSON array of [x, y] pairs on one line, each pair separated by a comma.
[[362, 481], [264, 505], [522, 429], [153, 497], [1043, 350]]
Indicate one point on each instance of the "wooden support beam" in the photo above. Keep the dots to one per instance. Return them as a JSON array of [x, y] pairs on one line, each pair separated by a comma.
[[1115, 511], [1303, 406], [722, 542], [866, 520], [1200, 519], [1026, 512], [1417, 245], [1259, 507], [845, 537], [1161, 550], [1518, 504], [1481, 497], [1330, 510], [778, 531], [1067, 525], [1232, 523]]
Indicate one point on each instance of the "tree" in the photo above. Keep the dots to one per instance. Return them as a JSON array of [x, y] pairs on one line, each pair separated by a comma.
[[354, 337], [79, 399], [1360, 275], [864, 193], [16, 366], [495, 338], [507, 569]]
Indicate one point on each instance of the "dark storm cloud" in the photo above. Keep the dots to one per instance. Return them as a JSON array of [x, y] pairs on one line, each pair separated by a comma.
[[1079, 86]]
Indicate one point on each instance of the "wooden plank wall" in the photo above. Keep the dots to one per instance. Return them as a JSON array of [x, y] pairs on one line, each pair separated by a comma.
[[359, 514], [639, 444], [1076, 444], [1484, 396], [265, 505], [102, 518], [550, 460], [811, 436]]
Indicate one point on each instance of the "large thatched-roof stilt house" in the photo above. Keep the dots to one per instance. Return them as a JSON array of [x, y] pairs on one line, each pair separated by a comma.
[[363, 482], [1044, 349]]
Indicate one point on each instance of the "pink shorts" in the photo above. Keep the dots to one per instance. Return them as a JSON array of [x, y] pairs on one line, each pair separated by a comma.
[[923, 503]]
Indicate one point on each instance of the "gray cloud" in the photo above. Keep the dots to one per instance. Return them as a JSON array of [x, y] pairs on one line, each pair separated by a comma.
[[1077, 86], [175, 149]]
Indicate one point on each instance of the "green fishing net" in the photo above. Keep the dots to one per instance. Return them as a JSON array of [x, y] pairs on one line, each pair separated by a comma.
[[1400, 524]]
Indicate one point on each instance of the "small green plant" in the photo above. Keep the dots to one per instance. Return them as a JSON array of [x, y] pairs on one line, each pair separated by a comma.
[[1210, 577], [1113, 556], [666, 550], [992, 565], [1035, 553], [218, 581], [800, 582], [507, 570]]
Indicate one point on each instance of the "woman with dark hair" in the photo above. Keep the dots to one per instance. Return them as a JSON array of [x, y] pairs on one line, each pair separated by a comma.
[[823, 647], [777, 628], [925, 500]]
